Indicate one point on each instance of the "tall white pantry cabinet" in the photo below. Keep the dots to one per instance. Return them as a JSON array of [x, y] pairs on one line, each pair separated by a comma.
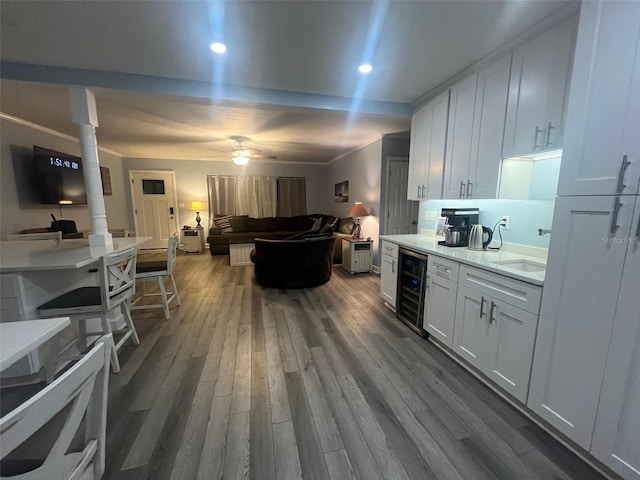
[[585, 379]]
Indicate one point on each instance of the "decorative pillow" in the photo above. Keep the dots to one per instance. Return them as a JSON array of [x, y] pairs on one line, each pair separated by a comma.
[[317, 224], [346, 225], [223, 223]]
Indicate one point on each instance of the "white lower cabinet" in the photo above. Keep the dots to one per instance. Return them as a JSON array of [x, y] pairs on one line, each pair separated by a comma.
[[578, 307], [471, 327], [442, 289], [616, 437], [389, 279], [495, 337], [512, 334], [389, 272]]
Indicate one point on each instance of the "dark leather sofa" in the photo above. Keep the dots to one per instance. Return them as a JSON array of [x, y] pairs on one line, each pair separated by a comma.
[[245, 229], [293, 263]]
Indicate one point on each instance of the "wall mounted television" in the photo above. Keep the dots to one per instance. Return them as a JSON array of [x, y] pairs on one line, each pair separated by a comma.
[[60, 177]]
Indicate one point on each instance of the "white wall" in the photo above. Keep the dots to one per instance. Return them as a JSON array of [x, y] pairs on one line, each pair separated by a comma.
[[191, 181], [362, 169], [20, 205]]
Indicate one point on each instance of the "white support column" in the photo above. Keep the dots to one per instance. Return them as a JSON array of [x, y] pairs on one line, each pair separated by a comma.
[[84, 113]]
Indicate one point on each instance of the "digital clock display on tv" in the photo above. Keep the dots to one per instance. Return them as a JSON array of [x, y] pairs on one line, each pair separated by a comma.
[[64, 163]]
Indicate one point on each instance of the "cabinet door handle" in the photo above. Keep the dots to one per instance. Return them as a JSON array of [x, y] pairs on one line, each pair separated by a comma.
[[393, 266], [469, 188], [482, 307], [638, 231], [425, 189], [491, 317], [614, 218], [536, 145], [622, 172], [549, 128], [418, 195], [461, 188]]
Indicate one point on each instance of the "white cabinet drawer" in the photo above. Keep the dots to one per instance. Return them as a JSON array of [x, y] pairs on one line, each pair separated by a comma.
[[514, 292], [390, 249], [443, 267]]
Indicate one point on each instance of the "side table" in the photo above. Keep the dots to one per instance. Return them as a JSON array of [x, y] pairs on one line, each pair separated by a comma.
[[193, 240], [357, 255]]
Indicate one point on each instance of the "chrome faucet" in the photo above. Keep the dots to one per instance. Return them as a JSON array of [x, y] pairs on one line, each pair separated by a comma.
[[542, 231]]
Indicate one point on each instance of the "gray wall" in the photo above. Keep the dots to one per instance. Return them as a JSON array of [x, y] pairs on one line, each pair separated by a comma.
[[362, 169], [20, 205], [191, 181]]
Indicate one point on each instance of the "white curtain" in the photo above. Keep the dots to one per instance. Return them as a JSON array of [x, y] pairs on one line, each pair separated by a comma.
[[256, 196], [253, 196], [292, 196], [222, 195]]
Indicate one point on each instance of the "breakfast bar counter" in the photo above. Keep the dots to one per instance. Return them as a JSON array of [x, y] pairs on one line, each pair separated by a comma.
[[22, 256], [34, 272]]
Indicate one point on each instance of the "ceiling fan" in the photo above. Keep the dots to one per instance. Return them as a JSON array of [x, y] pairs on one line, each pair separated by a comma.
[[241, 154]]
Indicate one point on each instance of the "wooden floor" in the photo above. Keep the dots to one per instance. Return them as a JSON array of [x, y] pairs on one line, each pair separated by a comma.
[[321, 383]]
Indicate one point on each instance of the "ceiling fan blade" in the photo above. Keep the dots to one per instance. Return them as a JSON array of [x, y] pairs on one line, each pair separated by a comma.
[[264, 157]]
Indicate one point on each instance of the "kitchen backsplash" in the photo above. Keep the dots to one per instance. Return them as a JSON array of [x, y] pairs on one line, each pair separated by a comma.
[[527, 216]]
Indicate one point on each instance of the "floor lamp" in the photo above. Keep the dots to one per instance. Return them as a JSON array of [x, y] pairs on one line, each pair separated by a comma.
[[356, 212]]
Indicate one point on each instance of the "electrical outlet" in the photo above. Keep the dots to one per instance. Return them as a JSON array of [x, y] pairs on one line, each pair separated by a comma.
[[431, 215], [506, 222]]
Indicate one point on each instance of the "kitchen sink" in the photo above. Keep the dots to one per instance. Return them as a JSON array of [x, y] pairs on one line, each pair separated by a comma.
[[522, 265]]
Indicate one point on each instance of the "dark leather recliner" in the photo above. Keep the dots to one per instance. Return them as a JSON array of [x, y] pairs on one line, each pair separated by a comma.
[[293, 263]]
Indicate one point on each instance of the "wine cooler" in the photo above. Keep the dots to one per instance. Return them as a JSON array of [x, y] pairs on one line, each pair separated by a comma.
[[412, 278]]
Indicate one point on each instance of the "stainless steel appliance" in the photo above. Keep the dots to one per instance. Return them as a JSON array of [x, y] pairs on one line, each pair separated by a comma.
[[477, 237], [460, 220], [452, 236], [412, 278]]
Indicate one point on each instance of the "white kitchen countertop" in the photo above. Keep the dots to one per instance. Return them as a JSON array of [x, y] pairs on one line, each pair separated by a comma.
[[482, 259], [25, 255]]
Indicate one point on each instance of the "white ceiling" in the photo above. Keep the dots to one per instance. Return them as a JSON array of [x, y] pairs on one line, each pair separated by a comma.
[[288, 81]]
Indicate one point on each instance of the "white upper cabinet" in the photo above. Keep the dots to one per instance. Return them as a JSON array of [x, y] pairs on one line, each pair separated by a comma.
[[474, 136], [427, 149], [488, 128], [577, 310], [459, 133], [602, 144], [537, 92], [616, 438], [418, 153]]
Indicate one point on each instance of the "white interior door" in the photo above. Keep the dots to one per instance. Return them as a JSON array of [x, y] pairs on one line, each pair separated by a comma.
[[402, 214], [153, 195]]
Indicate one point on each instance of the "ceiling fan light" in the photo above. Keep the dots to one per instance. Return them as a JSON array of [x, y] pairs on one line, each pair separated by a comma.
[[239, 160]]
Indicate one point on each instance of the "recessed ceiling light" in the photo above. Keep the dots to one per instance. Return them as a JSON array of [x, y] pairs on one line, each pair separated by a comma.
[[365, 68], [218, 47]]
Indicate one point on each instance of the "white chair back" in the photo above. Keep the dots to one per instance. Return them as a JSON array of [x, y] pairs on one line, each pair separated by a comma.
[[35, 236], [118, 275], [84, 386], [172, 252]]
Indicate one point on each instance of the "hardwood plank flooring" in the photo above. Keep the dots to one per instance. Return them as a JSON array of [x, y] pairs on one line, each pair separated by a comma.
[[320, 383]]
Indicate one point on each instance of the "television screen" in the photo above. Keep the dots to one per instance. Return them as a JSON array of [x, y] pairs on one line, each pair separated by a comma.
[[60, 177]]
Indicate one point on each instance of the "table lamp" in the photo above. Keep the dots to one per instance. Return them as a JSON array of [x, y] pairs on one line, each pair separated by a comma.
[[196, 207], [356, 212]]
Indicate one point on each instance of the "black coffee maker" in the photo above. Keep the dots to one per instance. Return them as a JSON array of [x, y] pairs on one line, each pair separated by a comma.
[[461, 220]]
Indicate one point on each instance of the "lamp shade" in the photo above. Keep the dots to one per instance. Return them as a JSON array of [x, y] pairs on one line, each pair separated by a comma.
[[358, 210], [197, 206]]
